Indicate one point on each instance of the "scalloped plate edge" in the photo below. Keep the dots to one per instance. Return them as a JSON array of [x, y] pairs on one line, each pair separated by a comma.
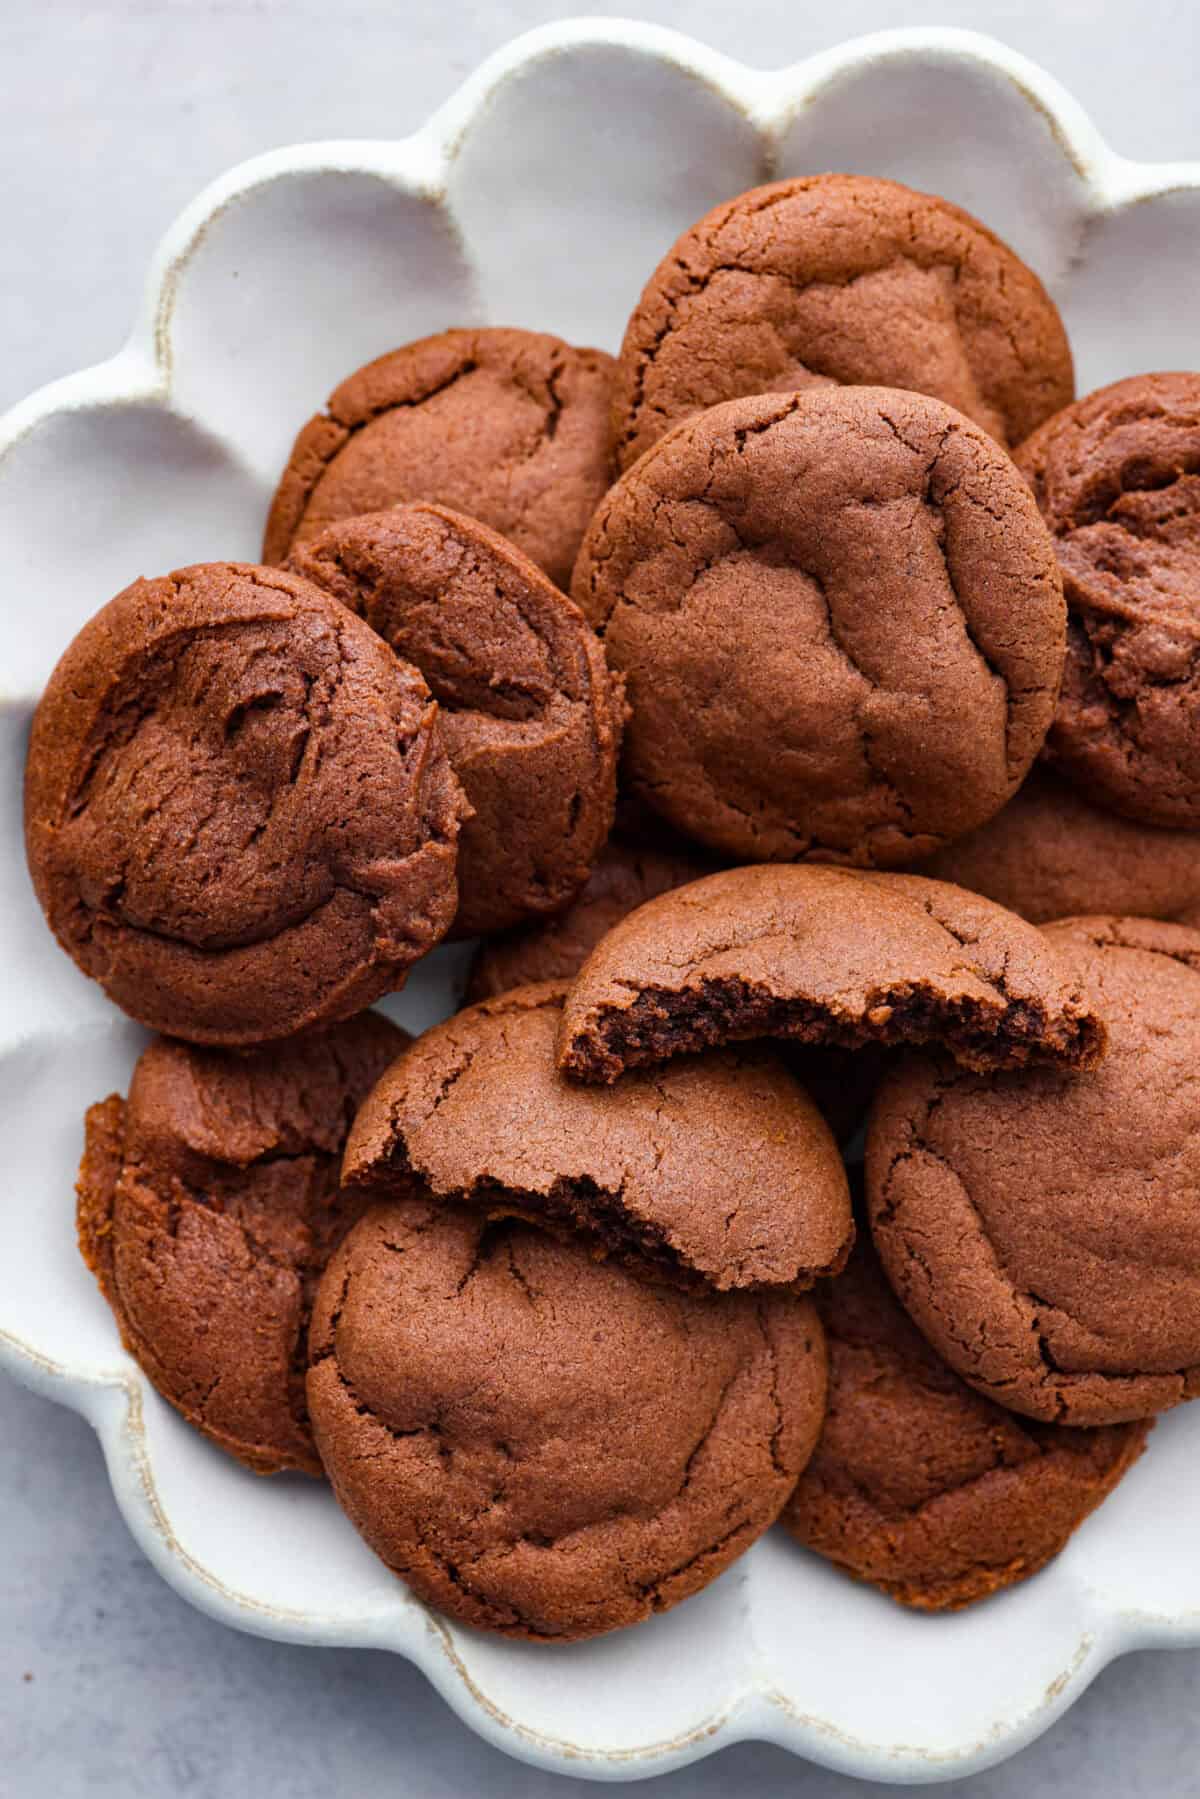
[[141, 373]]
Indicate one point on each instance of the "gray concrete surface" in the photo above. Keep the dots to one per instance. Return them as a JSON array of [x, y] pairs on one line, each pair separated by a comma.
[[113, 116]]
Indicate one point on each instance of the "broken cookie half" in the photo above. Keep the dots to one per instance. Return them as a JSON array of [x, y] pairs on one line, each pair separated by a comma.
[[716, 1173], [825, 955]]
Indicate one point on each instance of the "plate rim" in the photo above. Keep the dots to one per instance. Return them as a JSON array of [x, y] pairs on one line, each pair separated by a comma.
[[140, 373]]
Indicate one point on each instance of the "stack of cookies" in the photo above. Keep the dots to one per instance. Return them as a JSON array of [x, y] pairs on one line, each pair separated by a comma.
[[755, 699]]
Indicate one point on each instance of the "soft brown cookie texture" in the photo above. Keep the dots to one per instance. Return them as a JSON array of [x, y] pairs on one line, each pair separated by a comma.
[[840, 279], [840, 620], [209, 1203], [530, 716], [553, 950], [1044, 1230], [919, 1485], [625, 876], [715, 1172], [239, 814], [538, 1443], [1117, 477], [1052, 854], [828, 956], [508, 426]]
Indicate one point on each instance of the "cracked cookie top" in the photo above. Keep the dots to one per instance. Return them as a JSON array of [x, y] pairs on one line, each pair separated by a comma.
[[715, 1172], [625, 876], [508, 426], [538, 1443], [240, 817], [1044, 1230], [1117, 477], [921, 1486], [1051, 853], [208, 1206], [840, 620], [530, 715], [840, 1081], [840, 280], [826, 956]]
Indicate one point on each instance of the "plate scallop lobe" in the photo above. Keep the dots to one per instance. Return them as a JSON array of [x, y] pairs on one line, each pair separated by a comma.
[[541, 195]]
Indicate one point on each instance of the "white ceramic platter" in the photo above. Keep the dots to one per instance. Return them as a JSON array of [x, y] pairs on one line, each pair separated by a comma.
[[541, 195]]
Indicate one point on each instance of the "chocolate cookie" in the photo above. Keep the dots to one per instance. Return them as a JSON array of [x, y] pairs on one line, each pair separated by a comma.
[[239, 815], [716, 1172], [840, 1081], [921, 1486], [1052, 854], [508, 426], [539, 1444], [840, 620], [556, 949], [208, 1207], [825, 955], [1044, 1231], [840, 279], [1117, 477], [530, 716]]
